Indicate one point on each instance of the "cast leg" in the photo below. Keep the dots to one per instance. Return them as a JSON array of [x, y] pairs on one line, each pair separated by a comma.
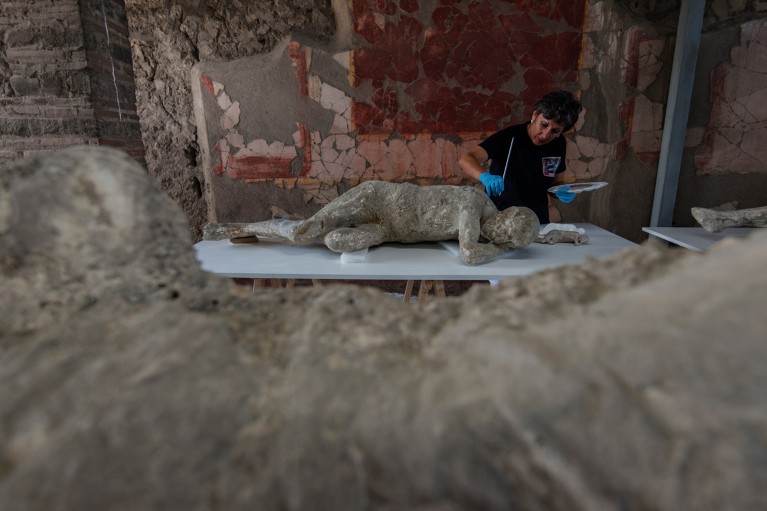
[[349, 239]]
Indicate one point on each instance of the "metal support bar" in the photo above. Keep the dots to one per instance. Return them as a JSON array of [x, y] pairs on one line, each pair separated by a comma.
[[677, 110]]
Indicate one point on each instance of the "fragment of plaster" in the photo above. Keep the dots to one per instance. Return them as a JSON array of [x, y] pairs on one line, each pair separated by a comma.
[[648, 116], [217, 88], [603, 150], [588, 58], [739, 56], [727, 114], [754, 146], [276, 148], [336, 171], [344, 58], [647, 75], [224, 102], [581, 120], [586, 145], [756, 105], [340, 125], [371, 150], [344, 142], [259, 147], [754, 30], [334, 99], [716, 156], [298, 137], [646, 141], [319, 171], [231, 117], [328, 153], [223, 149], [357, 165], [584, 80], [345, 158], [314, 87], [579, 169], [740, 82], [745, 164], [571, 149], [733, 135], [319, 192], [316, 138], [597, 166], [234, 139]]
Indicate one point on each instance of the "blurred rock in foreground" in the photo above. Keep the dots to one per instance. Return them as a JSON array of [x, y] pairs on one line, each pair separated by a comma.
[[133, 381]]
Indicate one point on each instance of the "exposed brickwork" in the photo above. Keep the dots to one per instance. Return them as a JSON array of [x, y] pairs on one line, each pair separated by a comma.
[[65, 80]]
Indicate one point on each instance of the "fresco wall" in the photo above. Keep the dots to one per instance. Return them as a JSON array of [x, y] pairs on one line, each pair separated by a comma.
[[424, 81], [423, 85]]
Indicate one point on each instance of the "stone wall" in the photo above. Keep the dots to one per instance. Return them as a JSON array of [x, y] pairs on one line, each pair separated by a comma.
[[168, 39], [65, 77]]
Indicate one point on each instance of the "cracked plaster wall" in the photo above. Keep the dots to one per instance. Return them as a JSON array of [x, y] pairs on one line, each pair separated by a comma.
[[424, 81]]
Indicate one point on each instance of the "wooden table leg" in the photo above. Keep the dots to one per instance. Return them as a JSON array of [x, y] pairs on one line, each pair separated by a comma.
[[424, 289], [408, 292], [439, 288], [316, 282], [290, 283]]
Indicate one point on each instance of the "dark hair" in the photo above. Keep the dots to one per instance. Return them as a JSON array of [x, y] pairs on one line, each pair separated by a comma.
[[560, 106]]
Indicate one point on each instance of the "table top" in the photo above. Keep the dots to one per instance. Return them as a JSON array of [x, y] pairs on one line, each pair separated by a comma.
[[696, 238], [394, 261]]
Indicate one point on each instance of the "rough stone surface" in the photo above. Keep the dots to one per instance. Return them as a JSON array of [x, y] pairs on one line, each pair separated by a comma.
[[133, 381]]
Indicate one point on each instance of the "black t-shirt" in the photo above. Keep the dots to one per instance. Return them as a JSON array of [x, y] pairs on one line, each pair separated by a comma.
[[530, 171]]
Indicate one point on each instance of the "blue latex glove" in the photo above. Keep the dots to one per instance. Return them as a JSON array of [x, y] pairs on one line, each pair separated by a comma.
[[493, 184], [565, 195]]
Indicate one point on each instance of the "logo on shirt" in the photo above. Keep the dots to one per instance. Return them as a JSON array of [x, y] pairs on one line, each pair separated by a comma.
[[550, 165]]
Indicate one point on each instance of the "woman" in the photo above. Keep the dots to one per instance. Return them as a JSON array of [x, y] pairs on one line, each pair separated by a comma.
[[527, 159]]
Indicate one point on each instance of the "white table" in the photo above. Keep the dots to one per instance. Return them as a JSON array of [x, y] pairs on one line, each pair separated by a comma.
[[392, 261], [696, 238]]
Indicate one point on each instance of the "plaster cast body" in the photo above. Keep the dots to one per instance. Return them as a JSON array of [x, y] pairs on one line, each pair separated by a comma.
[[377, 212], [715, 221]]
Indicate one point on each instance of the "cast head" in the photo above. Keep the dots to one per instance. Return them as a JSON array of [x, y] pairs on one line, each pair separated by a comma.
[[513, 227]]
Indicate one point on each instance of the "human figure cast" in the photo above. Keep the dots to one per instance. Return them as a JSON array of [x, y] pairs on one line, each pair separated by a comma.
[[376, 212]]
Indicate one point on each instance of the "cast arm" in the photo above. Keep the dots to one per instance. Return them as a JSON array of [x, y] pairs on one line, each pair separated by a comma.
[[472, 252]]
